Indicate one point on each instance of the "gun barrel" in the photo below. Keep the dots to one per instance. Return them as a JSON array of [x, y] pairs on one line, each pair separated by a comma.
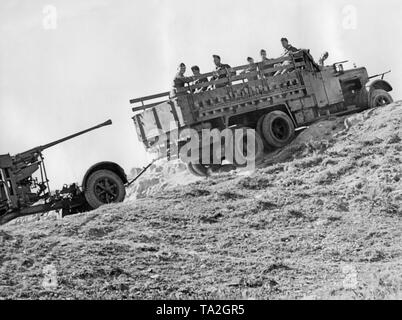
[[51, 144]]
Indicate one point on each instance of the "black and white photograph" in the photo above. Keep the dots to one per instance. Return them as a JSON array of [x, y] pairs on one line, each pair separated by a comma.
[[200, 155]]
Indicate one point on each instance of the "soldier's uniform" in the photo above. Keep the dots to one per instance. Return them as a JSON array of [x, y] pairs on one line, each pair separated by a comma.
[[289, 49], [322, 59], [251, 69], [221, 67], [202, 89], [267, 66], [178, 82]]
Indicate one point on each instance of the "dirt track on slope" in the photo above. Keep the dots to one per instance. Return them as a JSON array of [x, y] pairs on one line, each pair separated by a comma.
[[324, 222]]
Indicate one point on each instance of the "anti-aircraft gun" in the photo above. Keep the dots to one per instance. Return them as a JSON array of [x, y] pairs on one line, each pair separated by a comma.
[[23, 194]]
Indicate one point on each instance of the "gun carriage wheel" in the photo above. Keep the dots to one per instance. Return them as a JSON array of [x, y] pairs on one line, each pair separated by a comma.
[[103, 187]]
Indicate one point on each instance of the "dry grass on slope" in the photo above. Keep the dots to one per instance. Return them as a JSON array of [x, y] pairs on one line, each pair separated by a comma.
[[323, 223]]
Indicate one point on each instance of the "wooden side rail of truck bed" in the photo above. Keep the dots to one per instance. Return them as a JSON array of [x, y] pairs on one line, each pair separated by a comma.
[[142, 100], [245, 89], [262, 70]]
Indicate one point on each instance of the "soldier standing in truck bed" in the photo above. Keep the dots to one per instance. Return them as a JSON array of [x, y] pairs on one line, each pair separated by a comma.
[[179, 81], [219, 67]]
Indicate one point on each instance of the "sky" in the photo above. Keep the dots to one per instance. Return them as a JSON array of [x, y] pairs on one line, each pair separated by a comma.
[[66, 65]]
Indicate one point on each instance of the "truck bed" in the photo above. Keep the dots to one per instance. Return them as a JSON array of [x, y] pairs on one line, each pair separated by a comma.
[[241, 94]]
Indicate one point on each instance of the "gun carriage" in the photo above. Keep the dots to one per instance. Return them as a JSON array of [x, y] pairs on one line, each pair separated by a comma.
[[23, 194]]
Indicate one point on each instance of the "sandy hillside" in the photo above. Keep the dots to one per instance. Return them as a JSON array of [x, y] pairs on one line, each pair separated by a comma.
[[162, 175], [323, 222]]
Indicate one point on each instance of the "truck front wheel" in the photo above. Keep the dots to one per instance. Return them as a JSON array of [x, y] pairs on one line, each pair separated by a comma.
[[379, 98], [103, 187]]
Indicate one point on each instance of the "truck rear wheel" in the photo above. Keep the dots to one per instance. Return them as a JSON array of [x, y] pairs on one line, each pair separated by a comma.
[[244, 152], [197, 169], [277, 129], [258, 129], [379, 98], [202, 167], [103, 187]]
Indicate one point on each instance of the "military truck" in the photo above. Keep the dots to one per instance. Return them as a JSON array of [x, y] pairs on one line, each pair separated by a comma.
[[274, 98]]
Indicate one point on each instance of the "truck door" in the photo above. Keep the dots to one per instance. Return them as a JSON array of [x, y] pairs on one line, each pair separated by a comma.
[[324, 86], [332, 86]]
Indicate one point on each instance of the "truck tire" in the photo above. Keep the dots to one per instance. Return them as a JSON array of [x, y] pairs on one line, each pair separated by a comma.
[[278, 129], [379, 98], [203, 170], [240, 147], [197, 169], [200, 169], [102, 187], [258, 129]]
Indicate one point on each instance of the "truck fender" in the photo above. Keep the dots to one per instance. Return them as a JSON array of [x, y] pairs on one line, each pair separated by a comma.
[[105, 165], [363, 97], [378, 84]]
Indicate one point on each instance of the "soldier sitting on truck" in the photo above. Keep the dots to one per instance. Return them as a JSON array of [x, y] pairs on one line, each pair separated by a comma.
[[288, 50], [263, 54], [264, 58], [219, 67], [196, 73], [251, 68], [288, 47], [180, 80]]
